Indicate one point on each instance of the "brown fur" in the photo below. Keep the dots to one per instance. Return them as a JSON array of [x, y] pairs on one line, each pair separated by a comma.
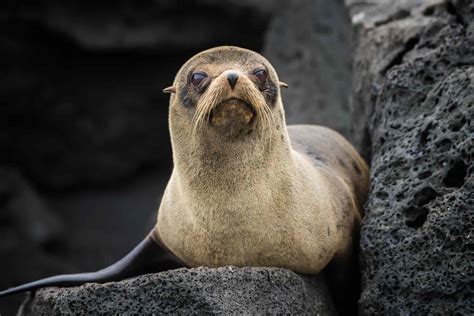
[[256, 193]]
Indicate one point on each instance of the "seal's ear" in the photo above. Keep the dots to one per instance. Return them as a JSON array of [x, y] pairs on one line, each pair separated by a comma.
[[283, 85], [170, 89]]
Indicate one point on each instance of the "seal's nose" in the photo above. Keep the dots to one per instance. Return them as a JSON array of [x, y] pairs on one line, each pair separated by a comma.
[[232, 78]]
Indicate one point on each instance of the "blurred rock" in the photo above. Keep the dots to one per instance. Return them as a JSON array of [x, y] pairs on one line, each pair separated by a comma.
[[29, 231], [90, 219], [160, 25], [226, 290], [81, 81], [25, 263], [414, 90], [308, 43], [22, 208]]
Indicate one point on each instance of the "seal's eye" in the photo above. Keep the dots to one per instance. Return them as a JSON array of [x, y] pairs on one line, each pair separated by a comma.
[[197, 78], [261, 75]]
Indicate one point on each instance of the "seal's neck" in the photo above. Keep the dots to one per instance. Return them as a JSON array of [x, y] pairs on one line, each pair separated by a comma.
[[214, 173]]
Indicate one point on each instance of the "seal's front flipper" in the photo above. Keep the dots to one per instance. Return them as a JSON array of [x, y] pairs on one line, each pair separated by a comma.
[[148, 257]]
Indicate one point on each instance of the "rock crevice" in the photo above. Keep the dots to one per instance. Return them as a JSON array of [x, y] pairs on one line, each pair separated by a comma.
[[413, 95]]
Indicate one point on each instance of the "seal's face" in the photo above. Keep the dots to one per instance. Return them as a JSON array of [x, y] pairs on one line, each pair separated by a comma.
[[229, 91]]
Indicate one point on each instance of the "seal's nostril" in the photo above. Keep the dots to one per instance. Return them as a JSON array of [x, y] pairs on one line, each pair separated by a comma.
[[232, 78]]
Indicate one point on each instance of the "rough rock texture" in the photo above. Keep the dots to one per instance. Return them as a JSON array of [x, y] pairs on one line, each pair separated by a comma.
[[308, 43], [226, 290], [81, 82], [414, 85]]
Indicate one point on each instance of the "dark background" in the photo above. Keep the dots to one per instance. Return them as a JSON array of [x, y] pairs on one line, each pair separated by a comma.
[[84, 144]]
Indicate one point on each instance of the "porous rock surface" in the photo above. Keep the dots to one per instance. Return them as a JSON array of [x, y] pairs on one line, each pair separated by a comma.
[[414, 86], [227, 290]]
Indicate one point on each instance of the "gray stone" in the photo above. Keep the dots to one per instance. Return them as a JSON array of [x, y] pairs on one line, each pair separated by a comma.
[[414, 88], [308, 43], [226, 290]]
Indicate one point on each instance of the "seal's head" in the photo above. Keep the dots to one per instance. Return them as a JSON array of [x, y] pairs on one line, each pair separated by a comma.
[[226, 92]]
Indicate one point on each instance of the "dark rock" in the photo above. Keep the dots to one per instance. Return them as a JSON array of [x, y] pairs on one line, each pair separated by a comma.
[[21, 207], [308, 43], [414, 85], [159, 25], [29, 232], [91, 219], [227, 290], [23, 262], [463, 10]]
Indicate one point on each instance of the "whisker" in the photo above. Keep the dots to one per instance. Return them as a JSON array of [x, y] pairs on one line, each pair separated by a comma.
[[215, 94], [209, 100]]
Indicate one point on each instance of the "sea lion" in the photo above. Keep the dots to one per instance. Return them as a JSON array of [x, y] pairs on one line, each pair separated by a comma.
[[246, 190]]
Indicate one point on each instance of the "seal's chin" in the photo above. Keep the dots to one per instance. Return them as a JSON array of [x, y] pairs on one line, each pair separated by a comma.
[[232, 116]]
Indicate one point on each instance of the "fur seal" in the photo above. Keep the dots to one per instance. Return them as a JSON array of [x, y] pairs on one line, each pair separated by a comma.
[[246, 190]]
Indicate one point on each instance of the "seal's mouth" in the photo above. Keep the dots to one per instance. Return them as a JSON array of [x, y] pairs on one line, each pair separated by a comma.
[[232, 113]]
